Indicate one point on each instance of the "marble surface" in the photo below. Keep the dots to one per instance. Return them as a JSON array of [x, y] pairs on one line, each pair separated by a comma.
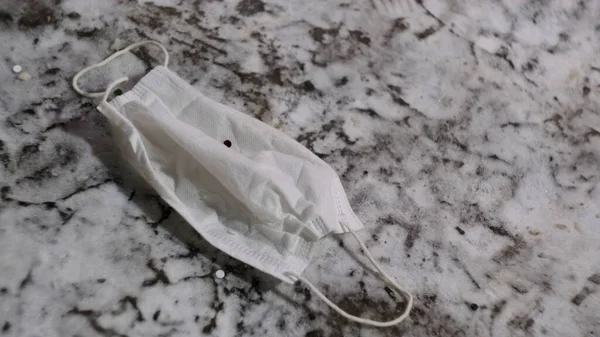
[[466, 133]]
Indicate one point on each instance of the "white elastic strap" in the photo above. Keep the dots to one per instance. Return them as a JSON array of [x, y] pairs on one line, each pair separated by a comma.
[[110, 58], [383, 275]]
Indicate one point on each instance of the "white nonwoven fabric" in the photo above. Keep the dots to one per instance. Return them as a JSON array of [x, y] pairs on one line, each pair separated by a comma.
[[265, 200]]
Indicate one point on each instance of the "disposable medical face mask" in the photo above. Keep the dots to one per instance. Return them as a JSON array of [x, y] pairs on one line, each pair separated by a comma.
[[247, 188]]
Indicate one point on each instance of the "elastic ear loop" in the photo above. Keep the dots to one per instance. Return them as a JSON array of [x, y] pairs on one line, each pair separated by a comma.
[[110, 58], [382, 274]]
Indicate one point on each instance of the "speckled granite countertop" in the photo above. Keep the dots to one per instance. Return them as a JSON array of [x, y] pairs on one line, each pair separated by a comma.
[[466, 133]]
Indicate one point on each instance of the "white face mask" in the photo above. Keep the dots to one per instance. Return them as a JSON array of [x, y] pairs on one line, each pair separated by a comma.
[[247, 188]]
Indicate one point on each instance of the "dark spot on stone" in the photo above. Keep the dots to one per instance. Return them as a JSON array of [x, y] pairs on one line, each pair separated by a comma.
[[156, 314], [101, 280], [275, 76], [160, 275], [227, 143], [36, 40], [152, 21], [3, 290], [307, 86], [312, 316], [29, 111], [430, 300], [196, 318], [300, 289], [66, 154], [130, 301], [315, 333], [426, 33], [398, 26], [210, 326], [497, 309], [413, 231], [365, 172], [578, 299], [118, 92], [73, 15], [563, 37], [530, 65], [52, 71], [165, 9], [341, 82], [371, 113], [49, 205], [521, 322], [513, 124], [6, 327], [87, 32], [41, 174], [37, 14], [5, 18], [390, 292], [586, 91], [87, 105], [341, 243], [529, 323], [499, 231], [375, 237], [396, 93], [519, 289], [319, 34], [503, 53], [26, 281], [5, 190], [360, 37], [595, 278], [27, 151], [281, 323], [460, 230], [250, 7], [474, 306]]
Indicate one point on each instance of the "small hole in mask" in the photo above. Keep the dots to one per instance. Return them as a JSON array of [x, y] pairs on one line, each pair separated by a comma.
[[118, 92], [227, 143]]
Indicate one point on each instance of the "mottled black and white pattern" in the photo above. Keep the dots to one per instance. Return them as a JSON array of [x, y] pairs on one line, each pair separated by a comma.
[[466, 133]]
